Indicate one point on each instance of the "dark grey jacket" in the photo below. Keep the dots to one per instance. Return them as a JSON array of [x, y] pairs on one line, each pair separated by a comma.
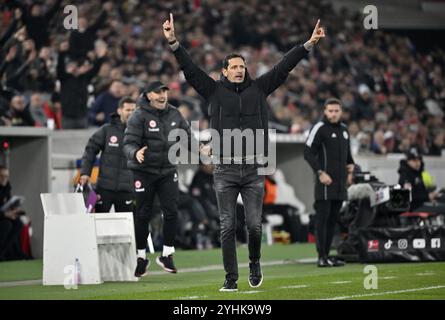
[[150, 127], [328, 149], [113, 172]]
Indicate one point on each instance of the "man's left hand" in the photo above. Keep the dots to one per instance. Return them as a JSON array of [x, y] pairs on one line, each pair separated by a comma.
[[350, 179], [206, 150]]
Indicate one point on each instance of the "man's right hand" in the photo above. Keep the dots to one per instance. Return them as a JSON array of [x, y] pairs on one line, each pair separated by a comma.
[[64, 46], [100, 117], [433, 196], [83, 180], [101, 50], [169, 29], [12, 214], [140, 154], [325, 178], [206, 150]]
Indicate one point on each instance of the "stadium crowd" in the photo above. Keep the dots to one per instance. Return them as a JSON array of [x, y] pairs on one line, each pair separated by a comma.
[[394, 95]]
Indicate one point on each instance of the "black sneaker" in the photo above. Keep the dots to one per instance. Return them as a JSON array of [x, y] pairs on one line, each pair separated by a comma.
[[166, 263], [255, 276], [324, 262], [141, 268], [336, 262], [229, 286]]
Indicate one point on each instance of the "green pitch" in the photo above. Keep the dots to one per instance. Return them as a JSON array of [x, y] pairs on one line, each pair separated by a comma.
[[289, 273]]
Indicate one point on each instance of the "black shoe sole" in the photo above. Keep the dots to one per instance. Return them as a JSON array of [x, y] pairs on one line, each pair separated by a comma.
[[137, 275], [258, 285], [165, 268], [339, 265], [324, 266]]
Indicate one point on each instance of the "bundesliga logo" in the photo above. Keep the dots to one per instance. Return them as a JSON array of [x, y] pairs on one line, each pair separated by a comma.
[[373, 245]]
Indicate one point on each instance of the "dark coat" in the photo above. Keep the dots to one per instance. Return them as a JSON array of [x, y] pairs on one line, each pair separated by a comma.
[[106, 103], [81, 43], [419, 193], [328, 149], [150, 127], [239, 105], [5, 195], [74, 89], [113, 172]]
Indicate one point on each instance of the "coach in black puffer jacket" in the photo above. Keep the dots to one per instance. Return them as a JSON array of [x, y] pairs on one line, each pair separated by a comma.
[[115, 182], [147, 146], [113, 172], [150, 127]]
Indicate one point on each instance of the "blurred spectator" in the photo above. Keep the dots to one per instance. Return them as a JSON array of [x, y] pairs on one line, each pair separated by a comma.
[[438, 144], [74, 79], [38, 76], [203, 190], [378, 143], [4, 37], [37, 21], [363, 108], [364, 140], [10, 223], [383, 78], [410, 177], [37, 111], [107, 103], [19, 113], [81, 41]]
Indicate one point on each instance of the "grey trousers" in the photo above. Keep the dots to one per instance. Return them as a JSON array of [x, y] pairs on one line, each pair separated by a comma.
[[230, 181]]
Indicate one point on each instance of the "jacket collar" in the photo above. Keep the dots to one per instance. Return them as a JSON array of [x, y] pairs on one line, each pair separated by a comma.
[[115, 120], [144, 103], [237, 87], [327, 122]]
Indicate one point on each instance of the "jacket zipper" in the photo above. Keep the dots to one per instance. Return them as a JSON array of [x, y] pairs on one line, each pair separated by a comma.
[[240, 110], [161, 124], [325, 170]]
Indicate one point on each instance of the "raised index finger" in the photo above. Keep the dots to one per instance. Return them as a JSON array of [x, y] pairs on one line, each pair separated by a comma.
[[171, 17], [318, 24]]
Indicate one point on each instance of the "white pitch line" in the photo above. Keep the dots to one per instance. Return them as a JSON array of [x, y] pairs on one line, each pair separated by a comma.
[[295, 287], [191, 297], [249, 292], [340, 282], [185, 270], [217, 267], [384, 293], [423, 274], [20, 283], [386, 278]]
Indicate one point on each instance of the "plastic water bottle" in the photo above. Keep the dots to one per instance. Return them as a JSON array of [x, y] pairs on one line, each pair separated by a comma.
[[50, 123], [77, 279]]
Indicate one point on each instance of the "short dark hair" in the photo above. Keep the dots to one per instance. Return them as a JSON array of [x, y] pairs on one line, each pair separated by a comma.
[[332, 101], [225, 62], [126, 99]]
